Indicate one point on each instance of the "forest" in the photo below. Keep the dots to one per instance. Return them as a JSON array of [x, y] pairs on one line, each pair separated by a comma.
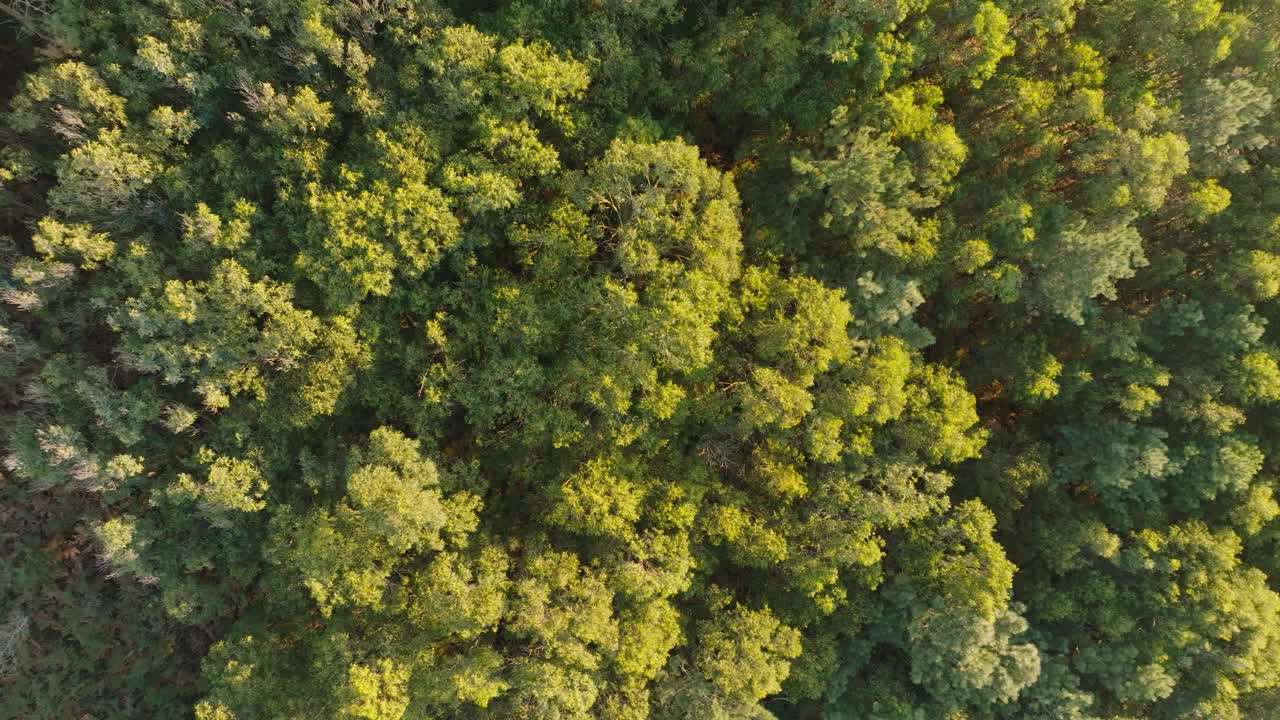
[[640, 359]]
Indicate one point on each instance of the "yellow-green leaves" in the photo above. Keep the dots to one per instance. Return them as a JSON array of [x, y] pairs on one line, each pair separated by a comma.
[[661, 210], [471, 72], [231, 486], [343, 555], [595, 501], [991, 30], [290, 116], [204, 228], [362, 236], [221, 334], [70, 98], [534, 76], [377, 692], [745, 654], [1207, 199], [618, 360], [79, 243], [102, 180]]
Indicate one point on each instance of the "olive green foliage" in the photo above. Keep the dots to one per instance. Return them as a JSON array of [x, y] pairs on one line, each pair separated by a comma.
[[568, 359]]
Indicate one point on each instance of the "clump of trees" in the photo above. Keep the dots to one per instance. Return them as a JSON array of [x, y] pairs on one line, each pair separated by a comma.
[[561, 360]]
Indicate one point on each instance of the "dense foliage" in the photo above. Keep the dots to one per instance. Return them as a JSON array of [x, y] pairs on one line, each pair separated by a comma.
[[620, 359]]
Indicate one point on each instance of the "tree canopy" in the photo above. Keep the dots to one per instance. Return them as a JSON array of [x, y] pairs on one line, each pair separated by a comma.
[[567, 359]]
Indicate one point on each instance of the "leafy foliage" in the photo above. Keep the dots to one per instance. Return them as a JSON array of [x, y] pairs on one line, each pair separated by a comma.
[[561, 360]]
